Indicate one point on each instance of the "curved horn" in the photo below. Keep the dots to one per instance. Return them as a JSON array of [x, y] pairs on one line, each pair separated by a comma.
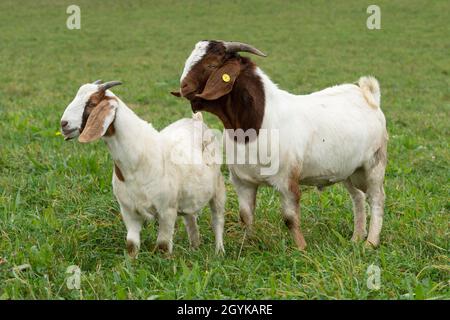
[[109, 84], [97, 82], [234, 46]]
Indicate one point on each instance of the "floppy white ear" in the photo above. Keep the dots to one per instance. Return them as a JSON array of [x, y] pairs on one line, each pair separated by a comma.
[[99, 120]]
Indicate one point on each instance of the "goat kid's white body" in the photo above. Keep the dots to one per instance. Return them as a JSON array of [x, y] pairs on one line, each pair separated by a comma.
[[154, 185], [326, 135], [152, 180]]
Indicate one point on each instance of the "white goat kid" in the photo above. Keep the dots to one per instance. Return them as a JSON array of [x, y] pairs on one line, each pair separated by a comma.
[[334, 135], [148, 181]]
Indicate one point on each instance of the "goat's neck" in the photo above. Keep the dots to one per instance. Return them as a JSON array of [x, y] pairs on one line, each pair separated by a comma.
[[273, 103], [134, 141]]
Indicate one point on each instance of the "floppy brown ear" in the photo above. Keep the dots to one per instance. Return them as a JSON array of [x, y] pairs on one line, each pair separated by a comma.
[[99, 120], [176, 93], [221, 81]]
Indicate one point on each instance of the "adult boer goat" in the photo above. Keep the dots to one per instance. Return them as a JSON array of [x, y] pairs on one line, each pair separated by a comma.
[[334, 135], [155, 175]]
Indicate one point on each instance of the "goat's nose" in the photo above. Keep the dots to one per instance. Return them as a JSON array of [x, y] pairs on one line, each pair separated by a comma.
[[64, 123]]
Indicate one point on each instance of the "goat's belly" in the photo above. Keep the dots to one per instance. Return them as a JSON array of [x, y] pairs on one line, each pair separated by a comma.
[[321, 173], [250, 173], [321, 181], [192, 203]]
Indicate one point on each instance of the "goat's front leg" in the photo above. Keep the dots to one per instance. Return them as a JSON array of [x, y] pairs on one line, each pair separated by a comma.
[[133, 223], [290, 198], [246, 193], [190, 221], [166, 227]]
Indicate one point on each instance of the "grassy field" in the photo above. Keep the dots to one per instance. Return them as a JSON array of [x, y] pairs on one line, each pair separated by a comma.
[[56, 204]]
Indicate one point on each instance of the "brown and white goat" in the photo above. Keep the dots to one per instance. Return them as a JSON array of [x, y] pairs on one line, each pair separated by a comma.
[[155, 176], [334, 135]]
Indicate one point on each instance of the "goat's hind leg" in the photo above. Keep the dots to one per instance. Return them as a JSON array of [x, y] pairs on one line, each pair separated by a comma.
[[375, 193], [359, 211], [373, 185]]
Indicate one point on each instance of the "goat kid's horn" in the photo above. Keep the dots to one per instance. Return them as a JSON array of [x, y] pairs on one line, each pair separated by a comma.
[[233, 46], [97, 81], [109, 84]]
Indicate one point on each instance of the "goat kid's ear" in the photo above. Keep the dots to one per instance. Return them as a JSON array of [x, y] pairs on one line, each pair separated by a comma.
[[99, 120], [176, 93], [221, 81]]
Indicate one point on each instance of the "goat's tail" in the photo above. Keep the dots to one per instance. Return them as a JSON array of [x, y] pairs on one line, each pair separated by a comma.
[[371, 90]]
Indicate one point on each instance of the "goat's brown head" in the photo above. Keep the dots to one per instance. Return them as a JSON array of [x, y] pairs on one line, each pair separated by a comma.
[[91, 113], [211, 74]]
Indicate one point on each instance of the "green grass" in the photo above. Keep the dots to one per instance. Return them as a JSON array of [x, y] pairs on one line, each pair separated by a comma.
[[56, 204]]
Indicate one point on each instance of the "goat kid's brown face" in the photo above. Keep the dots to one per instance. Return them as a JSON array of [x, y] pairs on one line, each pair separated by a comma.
[[211, 70], [91, 113]]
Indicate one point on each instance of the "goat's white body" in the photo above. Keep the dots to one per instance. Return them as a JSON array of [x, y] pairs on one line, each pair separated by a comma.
[[152, 180], [327, 135], [336, 134], [154, 185]]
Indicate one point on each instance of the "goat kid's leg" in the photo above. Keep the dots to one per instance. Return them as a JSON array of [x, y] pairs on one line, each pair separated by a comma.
[[375, 193], [133, 223], [359, 211], [166, 228], [217, 205], [190, 221], [290, 198], [247, 200]]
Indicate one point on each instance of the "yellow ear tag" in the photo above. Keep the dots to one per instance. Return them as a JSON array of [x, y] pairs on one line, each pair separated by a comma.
[[226, 77]]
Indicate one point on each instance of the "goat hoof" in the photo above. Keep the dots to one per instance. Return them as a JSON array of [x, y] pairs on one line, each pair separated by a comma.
[[246, 219], [220, 251], [195, 245], [358, 237], [371, 244], [163, 247], [132, 249]]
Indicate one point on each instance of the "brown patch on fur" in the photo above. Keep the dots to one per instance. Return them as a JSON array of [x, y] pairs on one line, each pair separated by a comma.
[[297, 235], [94, 128], [94, 100], [293, 222], [293, 184], [289, 223], [118, 173], [110, 131], [240, 108]]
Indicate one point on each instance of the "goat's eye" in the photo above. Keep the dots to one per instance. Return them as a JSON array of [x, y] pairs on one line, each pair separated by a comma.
[[212, 66]]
